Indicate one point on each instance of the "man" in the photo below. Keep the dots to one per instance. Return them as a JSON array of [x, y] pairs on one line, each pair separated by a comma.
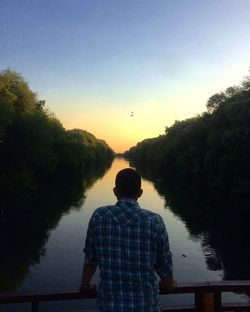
[[129, 244]]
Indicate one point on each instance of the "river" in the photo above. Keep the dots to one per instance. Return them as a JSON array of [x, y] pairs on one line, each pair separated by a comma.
[[60, 265]]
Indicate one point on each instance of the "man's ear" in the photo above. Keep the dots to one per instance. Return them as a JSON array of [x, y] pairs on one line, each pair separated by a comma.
[[140, 193], [115, 191]]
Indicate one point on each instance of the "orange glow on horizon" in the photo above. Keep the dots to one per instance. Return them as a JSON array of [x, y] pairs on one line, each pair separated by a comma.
[[121, 130]]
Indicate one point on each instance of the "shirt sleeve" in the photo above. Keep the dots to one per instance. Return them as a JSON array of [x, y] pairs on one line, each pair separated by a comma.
[[164, 263], [90, 249]]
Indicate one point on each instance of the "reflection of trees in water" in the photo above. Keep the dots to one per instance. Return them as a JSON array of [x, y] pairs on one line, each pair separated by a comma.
[[229, 242], [26, 224], [221, 222]]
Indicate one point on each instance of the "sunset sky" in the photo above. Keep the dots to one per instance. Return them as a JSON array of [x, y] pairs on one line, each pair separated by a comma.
[[96, 61]]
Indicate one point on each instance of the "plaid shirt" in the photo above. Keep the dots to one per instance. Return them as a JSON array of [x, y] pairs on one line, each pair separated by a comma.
[[128, 244]]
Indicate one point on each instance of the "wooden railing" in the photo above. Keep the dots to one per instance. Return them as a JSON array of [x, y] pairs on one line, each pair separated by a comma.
[[207, 296]]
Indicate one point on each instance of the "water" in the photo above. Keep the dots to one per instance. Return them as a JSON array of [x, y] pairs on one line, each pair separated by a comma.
[[60, 267]]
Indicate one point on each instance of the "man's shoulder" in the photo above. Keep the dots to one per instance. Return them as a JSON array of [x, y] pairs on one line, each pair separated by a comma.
[[111, 211], [103, 211], [153, 216]]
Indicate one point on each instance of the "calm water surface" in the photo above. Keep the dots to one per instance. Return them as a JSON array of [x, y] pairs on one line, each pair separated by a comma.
[[60, 267]]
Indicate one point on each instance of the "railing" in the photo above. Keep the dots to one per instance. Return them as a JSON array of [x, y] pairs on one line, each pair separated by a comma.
[[207, 296]]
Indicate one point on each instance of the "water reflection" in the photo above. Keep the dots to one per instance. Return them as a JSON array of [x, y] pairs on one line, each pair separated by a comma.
[[25, 225], [62, 239], [42, 248], [221, 223]]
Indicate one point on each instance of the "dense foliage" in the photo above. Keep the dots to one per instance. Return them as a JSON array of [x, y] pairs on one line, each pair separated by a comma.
[[208, 152], [44, 171], [35, 149], [200, 166]]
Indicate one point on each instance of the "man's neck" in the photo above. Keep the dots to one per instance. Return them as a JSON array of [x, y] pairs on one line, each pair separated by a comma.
[[124, 198]]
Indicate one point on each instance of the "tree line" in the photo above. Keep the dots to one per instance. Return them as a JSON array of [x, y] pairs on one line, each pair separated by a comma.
[[209, 152], [35, 148], [44, 171]]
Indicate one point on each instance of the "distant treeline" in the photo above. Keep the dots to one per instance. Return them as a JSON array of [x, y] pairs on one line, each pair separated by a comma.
[[35, 149], [210, 152]]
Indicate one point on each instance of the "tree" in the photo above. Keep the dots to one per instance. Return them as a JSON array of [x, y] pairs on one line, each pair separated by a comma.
[[210, 151], [15, 93], [215, 101], [34, 146]]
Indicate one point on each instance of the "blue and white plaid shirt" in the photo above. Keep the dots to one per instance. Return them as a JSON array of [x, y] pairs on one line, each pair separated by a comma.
[[128, 244]]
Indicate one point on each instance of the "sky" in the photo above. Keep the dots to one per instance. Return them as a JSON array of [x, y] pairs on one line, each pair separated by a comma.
[[96, 61]]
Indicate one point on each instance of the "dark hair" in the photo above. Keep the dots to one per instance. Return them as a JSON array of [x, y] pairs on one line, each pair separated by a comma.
[[128, 182]]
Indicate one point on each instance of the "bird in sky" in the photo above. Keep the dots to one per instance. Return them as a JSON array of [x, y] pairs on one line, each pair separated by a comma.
[[132, 114]]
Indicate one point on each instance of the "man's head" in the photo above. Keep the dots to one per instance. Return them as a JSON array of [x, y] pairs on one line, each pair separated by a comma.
[[128, 184]]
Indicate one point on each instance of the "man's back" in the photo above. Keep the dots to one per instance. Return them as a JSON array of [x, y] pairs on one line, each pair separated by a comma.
[[128, 244]]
